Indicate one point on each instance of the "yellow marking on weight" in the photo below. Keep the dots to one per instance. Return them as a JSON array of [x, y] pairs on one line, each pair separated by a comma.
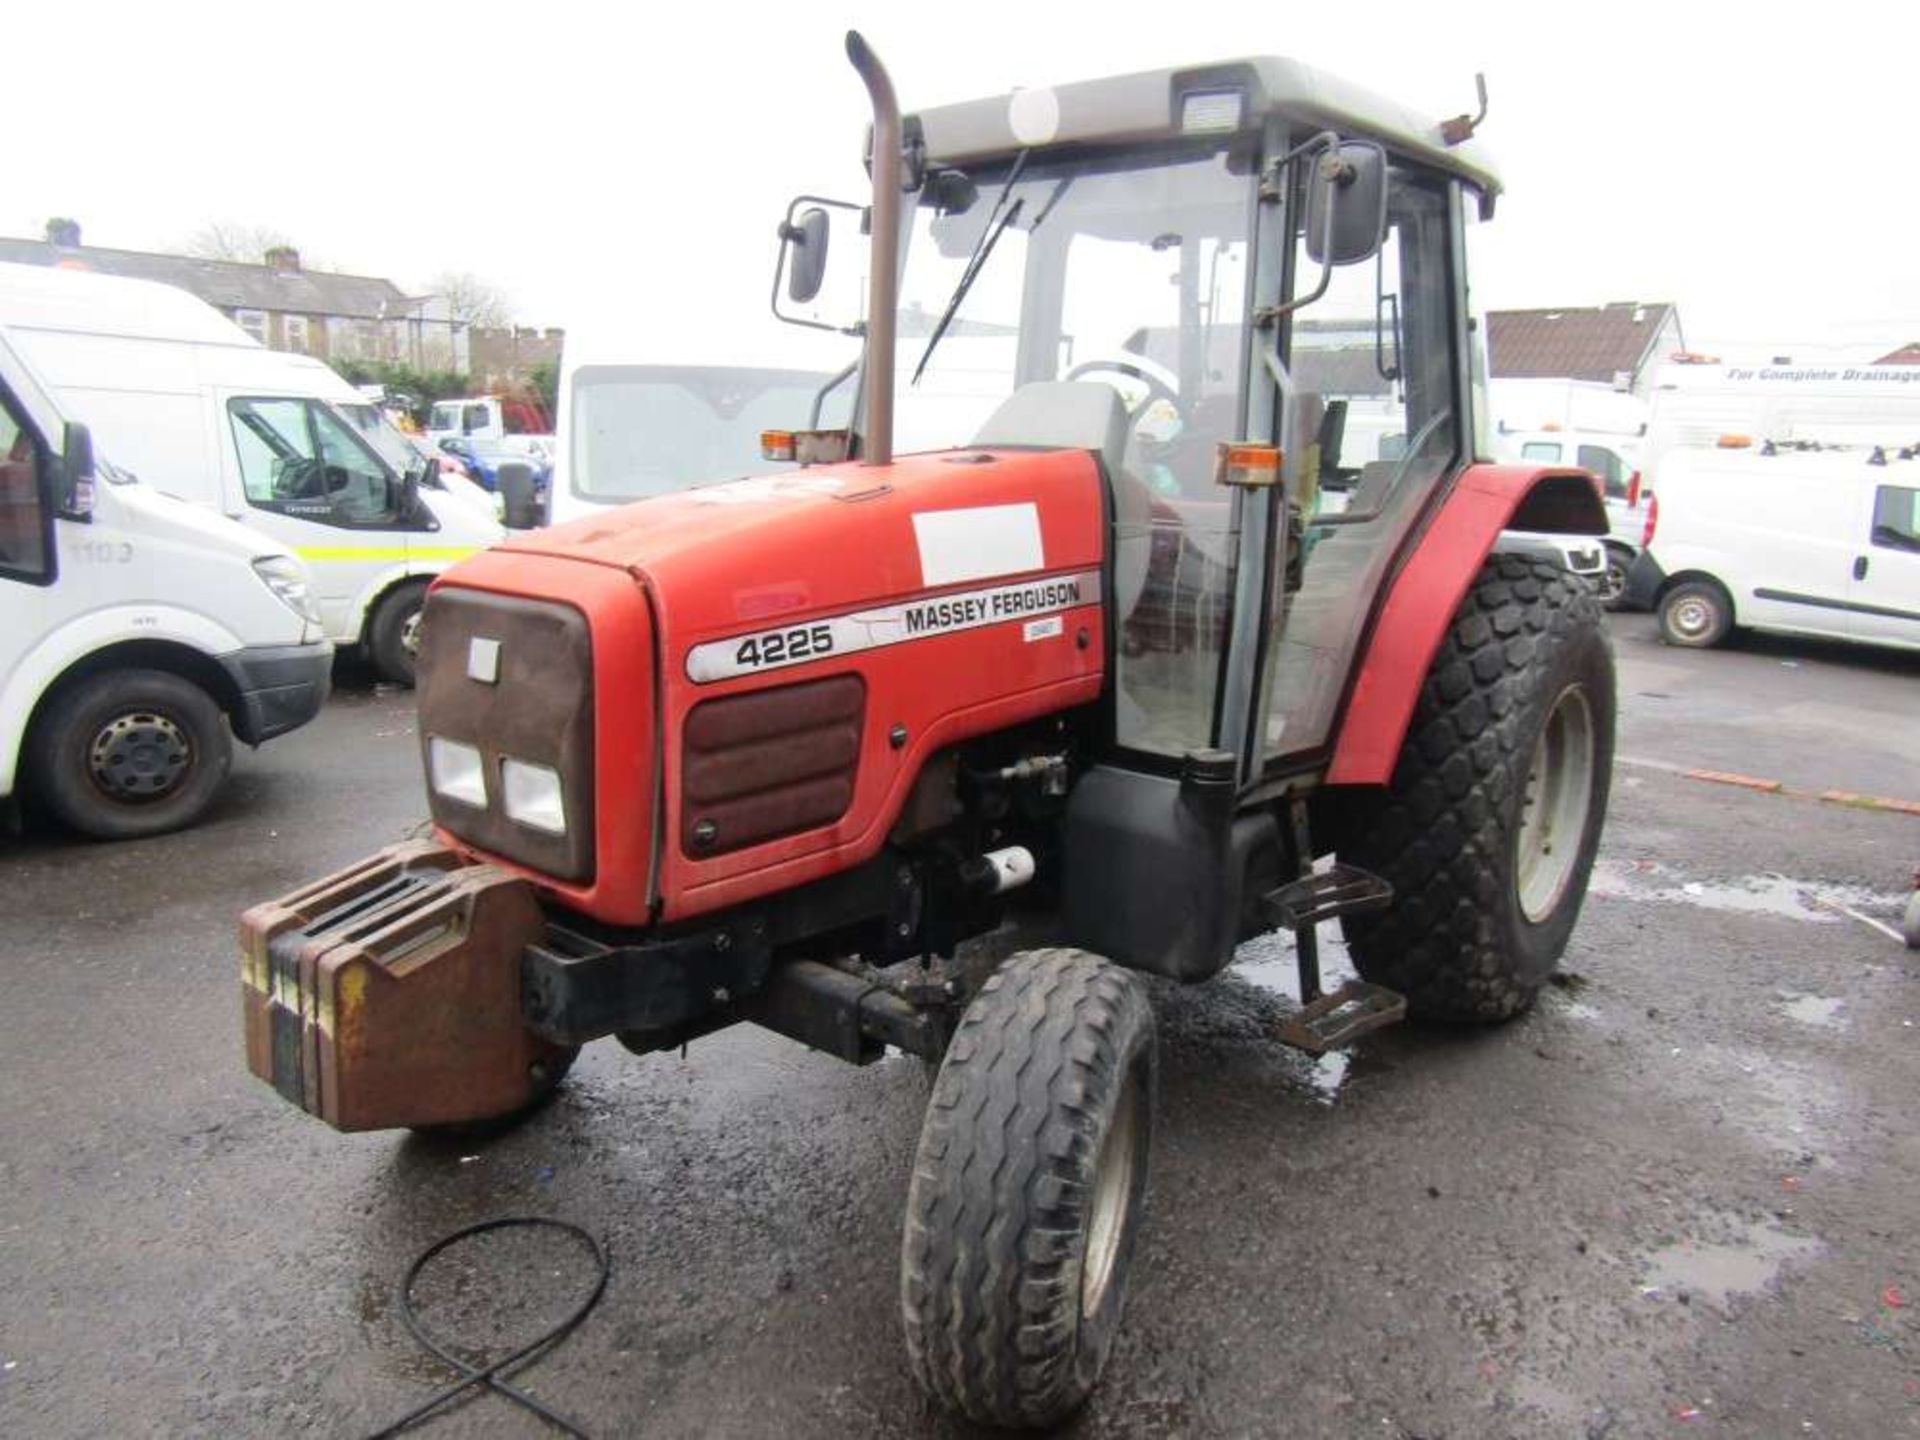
[[347, 554]]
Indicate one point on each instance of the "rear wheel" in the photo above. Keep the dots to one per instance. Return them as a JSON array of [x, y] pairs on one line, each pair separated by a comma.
[[393, 633], [1697, 614], [1612, 584], [127, 753], [1028, 1188], [1488, 829]]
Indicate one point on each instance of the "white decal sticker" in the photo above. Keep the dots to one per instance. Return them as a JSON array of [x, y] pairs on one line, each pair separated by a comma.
[[957, 545], [892, 625], [1043, 629]]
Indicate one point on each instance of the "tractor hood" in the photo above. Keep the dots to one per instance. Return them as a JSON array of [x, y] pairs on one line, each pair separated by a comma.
[[727, 558]]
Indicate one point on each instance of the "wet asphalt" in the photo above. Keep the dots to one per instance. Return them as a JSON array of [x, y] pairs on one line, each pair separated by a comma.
[[1682, 1195]]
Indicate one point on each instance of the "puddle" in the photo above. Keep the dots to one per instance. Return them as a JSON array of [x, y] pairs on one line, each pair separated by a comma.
[[1751, 895], [1266, 961], [1818, 1010], [1715, 1272]]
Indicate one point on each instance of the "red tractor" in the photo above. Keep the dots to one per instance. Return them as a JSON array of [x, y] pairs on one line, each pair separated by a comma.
[[1194, 580]]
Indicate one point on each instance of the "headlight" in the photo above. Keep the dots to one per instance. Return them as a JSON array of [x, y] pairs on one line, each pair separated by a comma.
[[287, 578], [455, 771], [530, 794]]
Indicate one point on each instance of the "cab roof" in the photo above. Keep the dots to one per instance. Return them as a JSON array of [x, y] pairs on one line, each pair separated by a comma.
[[1148, 105]]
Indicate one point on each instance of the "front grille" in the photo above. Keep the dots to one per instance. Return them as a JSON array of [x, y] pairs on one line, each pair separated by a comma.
[[538, 707], [769, 763]]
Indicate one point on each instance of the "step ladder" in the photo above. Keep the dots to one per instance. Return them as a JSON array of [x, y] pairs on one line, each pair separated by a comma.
[[1328, 1021]]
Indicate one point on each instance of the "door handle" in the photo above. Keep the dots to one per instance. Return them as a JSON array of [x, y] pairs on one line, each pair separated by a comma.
[[1859, 567]]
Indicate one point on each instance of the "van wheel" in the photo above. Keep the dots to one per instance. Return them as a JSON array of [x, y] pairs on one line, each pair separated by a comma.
[[1697, 614], [393, 633], [1612, 585], [127, 753]]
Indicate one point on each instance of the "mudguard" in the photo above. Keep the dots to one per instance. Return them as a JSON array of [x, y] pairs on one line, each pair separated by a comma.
[[1427, 590]]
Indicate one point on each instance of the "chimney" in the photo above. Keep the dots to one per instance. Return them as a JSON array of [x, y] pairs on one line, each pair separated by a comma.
[[64, 233], [283, 260]]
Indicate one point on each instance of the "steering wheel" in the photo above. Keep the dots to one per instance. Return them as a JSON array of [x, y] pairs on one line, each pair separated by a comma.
[[1144, 372]]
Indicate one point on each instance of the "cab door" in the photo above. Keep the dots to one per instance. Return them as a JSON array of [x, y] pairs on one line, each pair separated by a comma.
[[312, 484], [1885, 599], [27, 559]]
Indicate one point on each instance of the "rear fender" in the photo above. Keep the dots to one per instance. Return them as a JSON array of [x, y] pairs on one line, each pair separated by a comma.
[[1423, 596]]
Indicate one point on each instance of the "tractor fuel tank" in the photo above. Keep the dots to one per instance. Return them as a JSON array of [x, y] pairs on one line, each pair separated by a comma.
[[388, 993]]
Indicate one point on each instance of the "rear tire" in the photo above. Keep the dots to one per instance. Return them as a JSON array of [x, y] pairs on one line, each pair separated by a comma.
[[1027, 1189], [1697, 614], [128, 753], [1612, 583], [1488, 829], [393, 632]]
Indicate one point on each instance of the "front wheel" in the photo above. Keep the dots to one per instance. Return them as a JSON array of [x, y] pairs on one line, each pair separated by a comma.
[[127, 753], [393, 633], [1488, 829], [1028, 1188], [1697, 614]]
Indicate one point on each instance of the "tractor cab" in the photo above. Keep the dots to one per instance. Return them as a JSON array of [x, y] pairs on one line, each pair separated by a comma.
[[1243, 287]]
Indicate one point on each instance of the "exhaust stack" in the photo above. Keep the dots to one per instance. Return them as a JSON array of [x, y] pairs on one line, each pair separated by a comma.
[[884, 283]]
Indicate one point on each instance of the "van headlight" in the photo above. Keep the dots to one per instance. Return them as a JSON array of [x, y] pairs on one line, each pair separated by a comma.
[[286, 577], [455, 771], [530, 794]]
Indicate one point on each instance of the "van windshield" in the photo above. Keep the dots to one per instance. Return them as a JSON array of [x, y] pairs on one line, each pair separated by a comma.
[[639, 430]]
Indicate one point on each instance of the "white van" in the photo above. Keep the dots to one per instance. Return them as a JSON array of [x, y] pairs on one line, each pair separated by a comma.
[[1807, 543], [136, 631], [185, 399], [628, 429]]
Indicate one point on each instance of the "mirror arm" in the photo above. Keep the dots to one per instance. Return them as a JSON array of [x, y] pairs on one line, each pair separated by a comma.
[[1267, 315], [820, 396]]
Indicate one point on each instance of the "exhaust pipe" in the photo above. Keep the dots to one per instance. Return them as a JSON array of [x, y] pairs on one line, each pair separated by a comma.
[[884, 284]]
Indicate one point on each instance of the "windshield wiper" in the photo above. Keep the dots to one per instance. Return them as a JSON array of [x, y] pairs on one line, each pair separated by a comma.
[[982, 248]]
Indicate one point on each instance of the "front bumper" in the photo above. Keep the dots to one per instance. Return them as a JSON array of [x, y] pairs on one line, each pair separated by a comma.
[[1644, 580], [281, 687]]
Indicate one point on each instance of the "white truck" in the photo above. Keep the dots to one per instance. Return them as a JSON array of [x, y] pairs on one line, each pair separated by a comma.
[[1727, 405], [188, 401], [508, 425], [139, 634]]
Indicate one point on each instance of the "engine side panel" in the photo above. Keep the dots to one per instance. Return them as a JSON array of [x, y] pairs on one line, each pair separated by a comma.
[[1427, 591]]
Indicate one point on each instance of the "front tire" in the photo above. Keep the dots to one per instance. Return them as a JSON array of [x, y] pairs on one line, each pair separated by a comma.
[[393, 633], [1027, 1189], [124, 754], [1489, 827], [1697, 615]]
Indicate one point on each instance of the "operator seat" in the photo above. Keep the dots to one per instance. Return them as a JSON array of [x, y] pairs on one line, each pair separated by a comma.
[[1085, 415]]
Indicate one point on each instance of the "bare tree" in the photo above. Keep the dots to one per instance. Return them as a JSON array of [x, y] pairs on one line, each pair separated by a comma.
[[232, 240], [476, 301]]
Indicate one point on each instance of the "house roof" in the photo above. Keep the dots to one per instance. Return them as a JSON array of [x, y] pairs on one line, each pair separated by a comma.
[[228, 284], [1908, 354], [1573, 343]]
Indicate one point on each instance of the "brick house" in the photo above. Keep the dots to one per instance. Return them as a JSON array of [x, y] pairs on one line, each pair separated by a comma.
[[279, 302]]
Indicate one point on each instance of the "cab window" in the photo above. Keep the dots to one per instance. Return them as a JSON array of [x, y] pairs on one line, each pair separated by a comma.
[[1547, 450], [26, 552], [1896, 517], [298, 458]]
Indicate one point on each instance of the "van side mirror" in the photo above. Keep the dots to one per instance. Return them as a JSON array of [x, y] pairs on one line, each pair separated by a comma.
[[1347, 204], [75, 476], [520, 507]]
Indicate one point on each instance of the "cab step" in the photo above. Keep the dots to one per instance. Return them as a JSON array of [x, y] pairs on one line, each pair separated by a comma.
[[1335, 1021], [1324, 895]]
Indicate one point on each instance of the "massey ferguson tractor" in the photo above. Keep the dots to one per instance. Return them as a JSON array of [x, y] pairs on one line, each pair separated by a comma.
[[1192, 614]]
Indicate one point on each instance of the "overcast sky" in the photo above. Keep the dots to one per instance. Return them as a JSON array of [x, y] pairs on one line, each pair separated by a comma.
[[633, 160]]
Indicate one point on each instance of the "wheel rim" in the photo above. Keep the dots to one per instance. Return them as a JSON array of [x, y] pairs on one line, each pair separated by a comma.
[[1112, 1198], [1554, 805], [140, 756], [1614, 583], [1692, 616], [410, 631]]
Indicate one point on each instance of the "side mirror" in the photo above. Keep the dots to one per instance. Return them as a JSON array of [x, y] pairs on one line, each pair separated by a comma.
[[1347, 204], [519, 496], [806, 242], [74, 497]]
